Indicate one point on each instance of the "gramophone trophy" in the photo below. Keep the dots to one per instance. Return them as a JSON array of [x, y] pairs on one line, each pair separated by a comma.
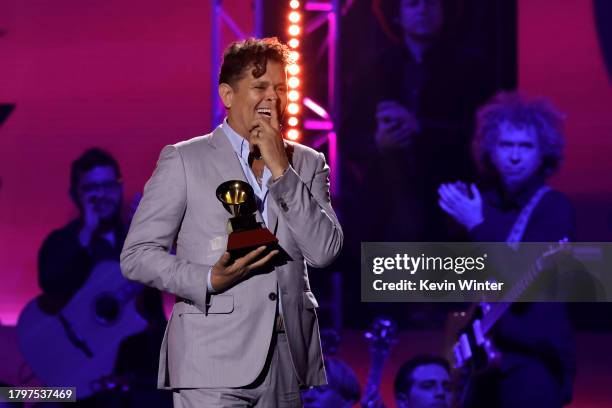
[[245, 233]]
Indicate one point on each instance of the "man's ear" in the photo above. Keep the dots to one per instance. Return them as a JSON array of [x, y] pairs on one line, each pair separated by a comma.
[[226, 92]]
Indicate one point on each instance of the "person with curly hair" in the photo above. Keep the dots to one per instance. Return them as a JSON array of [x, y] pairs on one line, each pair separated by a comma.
[[518, 144]]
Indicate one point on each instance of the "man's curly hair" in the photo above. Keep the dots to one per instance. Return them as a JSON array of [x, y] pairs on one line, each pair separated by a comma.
[[251, 53], [520, 112]]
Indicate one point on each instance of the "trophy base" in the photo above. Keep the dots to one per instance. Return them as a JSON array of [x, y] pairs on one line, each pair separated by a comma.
[[240, 243]]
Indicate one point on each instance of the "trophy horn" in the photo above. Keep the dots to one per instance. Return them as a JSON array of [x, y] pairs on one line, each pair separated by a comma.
[[237, 197]]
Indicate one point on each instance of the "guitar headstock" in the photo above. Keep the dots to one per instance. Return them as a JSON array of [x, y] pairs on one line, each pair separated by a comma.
[[382, 335]]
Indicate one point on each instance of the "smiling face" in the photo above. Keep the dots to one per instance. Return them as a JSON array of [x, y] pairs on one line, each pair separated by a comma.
[[250, 98], [516, 155]]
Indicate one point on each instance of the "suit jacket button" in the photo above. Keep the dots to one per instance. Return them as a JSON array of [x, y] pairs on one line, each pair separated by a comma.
[[272, 296]]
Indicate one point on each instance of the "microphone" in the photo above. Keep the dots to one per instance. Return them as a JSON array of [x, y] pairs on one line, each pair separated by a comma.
[[254, 154]]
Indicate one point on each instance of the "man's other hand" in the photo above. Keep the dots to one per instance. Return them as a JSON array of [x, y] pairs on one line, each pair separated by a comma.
[[91, 219], [267, 136], [224, 275], [396, 126]]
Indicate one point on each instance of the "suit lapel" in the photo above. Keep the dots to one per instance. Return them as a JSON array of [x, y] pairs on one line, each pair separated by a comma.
[[225, 157], [229, 166]]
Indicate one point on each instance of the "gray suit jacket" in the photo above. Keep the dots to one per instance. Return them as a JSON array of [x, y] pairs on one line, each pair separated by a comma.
[[221, 340]]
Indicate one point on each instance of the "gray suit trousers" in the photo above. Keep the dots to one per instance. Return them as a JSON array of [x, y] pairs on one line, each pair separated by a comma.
[[276, 387]]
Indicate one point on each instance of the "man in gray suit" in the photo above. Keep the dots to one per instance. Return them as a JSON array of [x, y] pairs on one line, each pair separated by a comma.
[[243, 332]]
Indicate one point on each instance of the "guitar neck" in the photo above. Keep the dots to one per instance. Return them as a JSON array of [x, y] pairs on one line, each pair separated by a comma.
[[497, 310], [376, 369]]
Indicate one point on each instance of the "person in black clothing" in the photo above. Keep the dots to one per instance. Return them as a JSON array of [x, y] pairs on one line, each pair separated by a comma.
[[69, 254], [518, 144], [408, 132], [427, 93]]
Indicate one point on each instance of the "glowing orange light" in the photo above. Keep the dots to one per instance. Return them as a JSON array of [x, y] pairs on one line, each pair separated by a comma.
[[294, 95], [294, 16], [294, 4], [294, 43], [294, 55], [293, 121], [293, 134], [293, 82], [294, 29], [293, 69], [293, 108]]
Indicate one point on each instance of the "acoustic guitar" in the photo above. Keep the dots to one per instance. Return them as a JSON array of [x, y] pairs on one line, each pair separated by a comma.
[[77, 346]]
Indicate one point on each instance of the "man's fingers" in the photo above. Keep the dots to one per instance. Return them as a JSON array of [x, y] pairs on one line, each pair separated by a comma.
[[475, 192], [264, 124], [461, 187], [454, 194], [274, 119], [248, 258], [449, 201], [224, 259], [443, 191], [257, 124], [262, 261], [264, 127], [261, 123]]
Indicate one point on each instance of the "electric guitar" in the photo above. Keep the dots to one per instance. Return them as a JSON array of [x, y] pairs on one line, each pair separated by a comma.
[[473, 348], [77, 346]]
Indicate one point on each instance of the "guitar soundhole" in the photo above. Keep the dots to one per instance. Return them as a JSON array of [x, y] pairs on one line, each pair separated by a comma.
[[107, 309]]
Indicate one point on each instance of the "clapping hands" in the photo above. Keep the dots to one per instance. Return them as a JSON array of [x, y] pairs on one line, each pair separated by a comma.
[[455, 200]]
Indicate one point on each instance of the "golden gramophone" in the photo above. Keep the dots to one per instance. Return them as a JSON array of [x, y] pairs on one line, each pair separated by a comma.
[[245, 233]]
